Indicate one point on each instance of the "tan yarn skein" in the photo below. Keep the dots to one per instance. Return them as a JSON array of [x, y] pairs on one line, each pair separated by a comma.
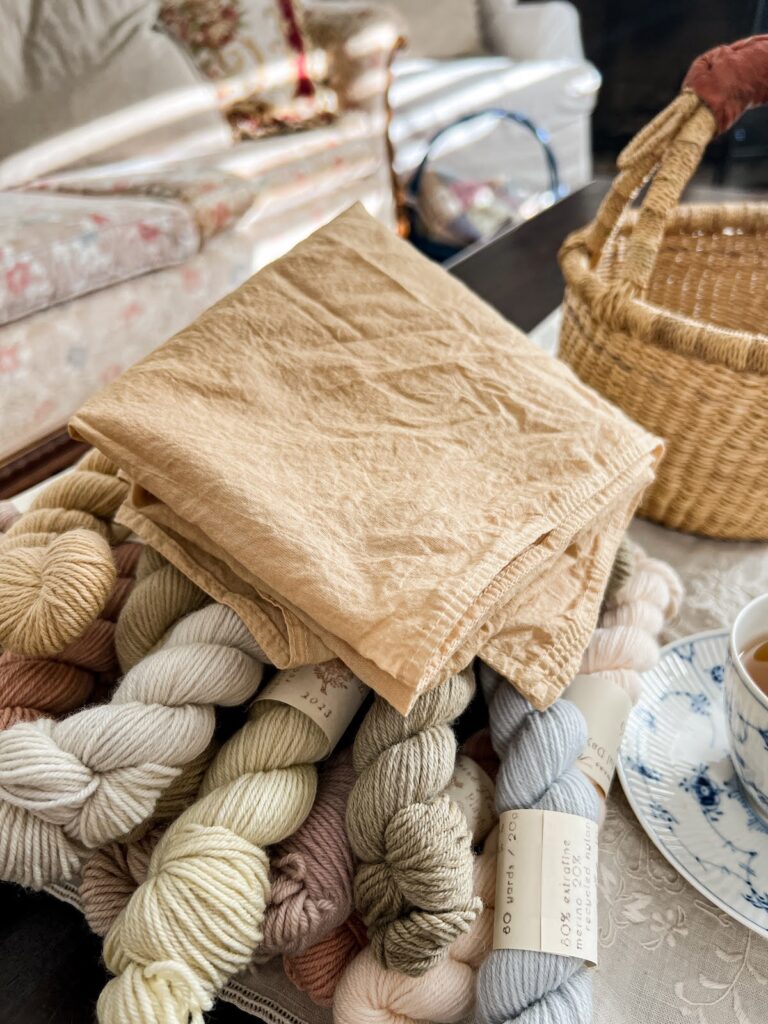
[[56, 567], [199, 916], [414, 888], [74, 785]]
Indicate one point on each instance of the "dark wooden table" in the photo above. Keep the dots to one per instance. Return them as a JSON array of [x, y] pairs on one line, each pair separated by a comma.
[[50, 971]]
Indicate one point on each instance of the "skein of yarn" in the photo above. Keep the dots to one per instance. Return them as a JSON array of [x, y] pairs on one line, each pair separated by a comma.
[[319, 969], [162, 596], [8, 515], [199, 917], [74, 785], [414, 885], [443, 995], [56, 566], [32, 688], [312, 870], [538, 750], [110, 877]]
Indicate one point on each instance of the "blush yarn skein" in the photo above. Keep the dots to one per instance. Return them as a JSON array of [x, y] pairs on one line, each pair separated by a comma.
[[74, 785], [414, 886], [199, 917], [56, 566], [32, 688]]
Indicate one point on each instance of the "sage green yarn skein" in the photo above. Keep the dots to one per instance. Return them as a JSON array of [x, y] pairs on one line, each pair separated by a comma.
[[414, 887]]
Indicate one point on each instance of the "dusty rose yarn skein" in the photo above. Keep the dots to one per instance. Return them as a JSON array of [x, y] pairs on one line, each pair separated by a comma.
[[32, 688], [312, 871], [320, 968]]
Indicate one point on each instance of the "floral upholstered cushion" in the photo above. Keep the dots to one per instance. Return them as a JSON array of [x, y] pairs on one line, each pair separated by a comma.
[[215, 198], [56, 247], [262, 43]]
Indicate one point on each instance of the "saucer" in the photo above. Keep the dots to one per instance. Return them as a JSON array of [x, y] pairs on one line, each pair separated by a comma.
[[678, 776]]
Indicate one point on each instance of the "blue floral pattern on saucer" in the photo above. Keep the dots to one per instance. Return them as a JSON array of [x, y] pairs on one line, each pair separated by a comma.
[[677, 773]]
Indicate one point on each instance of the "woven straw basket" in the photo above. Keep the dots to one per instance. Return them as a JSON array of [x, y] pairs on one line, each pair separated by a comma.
[[666, 308]]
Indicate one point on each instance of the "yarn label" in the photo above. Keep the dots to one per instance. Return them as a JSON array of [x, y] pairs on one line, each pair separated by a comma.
[[546, 884], [330, 694], [472, 789], [606, 708]]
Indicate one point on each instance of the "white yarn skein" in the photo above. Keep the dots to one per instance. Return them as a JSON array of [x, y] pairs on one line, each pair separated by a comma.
[[70, 786]]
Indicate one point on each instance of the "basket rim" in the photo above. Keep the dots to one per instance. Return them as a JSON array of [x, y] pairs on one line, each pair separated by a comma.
[[614, 304]]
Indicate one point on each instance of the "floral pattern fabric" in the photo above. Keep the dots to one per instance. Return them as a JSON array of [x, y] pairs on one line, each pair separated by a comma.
[[215, 199], [54, 248], [265, 41]]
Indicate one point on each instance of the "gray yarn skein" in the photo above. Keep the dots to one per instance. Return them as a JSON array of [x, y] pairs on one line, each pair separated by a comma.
[[537, 750]]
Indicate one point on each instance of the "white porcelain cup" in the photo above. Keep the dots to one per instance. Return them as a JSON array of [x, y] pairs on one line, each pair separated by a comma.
[[746, 707]]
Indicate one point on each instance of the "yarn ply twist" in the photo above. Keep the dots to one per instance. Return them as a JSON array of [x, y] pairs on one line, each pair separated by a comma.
[[199, 917], [312, 871], [110, 877], [319, 969], [161, 597], [56, 567], [443, 995], [74, 785], [414, 886], [32, 688]]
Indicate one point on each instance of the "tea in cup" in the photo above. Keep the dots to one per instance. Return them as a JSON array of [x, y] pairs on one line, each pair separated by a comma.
[[746, 701]]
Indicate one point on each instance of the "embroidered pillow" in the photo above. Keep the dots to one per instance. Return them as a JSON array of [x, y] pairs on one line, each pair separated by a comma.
[[259, 51]]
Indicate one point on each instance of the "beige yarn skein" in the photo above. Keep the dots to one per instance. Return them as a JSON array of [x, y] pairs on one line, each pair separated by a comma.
[[71, 786], [198, 918], [56, 567], [414, 886]]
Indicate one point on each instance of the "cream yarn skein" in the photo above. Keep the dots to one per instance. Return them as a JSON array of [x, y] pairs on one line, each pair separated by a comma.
[[74, 785], [414, 885], [199, 916], [56, 567]]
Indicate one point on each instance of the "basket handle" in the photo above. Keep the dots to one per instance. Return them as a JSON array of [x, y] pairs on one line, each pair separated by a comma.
[[719, 87]]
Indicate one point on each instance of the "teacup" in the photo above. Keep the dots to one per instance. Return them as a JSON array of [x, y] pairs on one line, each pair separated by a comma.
[[746, 708]]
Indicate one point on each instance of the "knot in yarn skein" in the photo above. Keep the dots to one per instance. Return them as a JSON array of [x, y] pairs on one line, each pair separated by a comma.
[[32, 688], [110, 877], [199, 916], [445, 993], [413, 887], [537, 751], [56, 567], [319, 969], [312, 871], [77, 784]]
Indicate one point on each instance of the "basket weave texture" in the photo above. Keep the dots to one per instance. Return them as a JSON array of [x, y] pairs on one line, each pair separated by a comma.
[[666, 314]]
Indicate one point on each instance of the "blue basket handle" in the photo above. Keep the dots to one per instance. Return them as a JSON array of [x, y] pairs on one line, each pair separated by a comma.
[[503, 115]]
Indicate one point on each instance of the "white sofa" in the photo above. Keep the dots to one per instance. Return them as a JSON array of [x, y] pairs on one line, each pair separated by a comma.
[[531, 61]]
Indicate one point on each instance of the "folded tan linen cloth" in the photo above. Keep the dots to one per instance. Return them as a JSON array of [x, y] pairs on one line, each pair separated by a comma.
[[362, 459]]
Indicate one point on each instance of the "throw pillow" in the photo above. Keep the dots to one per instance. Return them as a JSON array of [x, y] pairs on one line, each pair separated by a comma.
[[93, 78], [449, 28], [260, 51]]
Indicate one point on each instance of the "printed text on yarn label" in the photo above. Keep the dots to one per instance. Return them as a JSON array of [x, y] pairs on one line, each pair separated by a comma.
[[546, 884], [605, 707], [473, 791], [330, 694]]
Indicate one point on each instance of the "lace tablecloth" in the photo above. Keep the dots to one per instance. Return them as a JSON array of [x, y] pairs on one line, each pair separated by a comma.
[[667, 953]]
